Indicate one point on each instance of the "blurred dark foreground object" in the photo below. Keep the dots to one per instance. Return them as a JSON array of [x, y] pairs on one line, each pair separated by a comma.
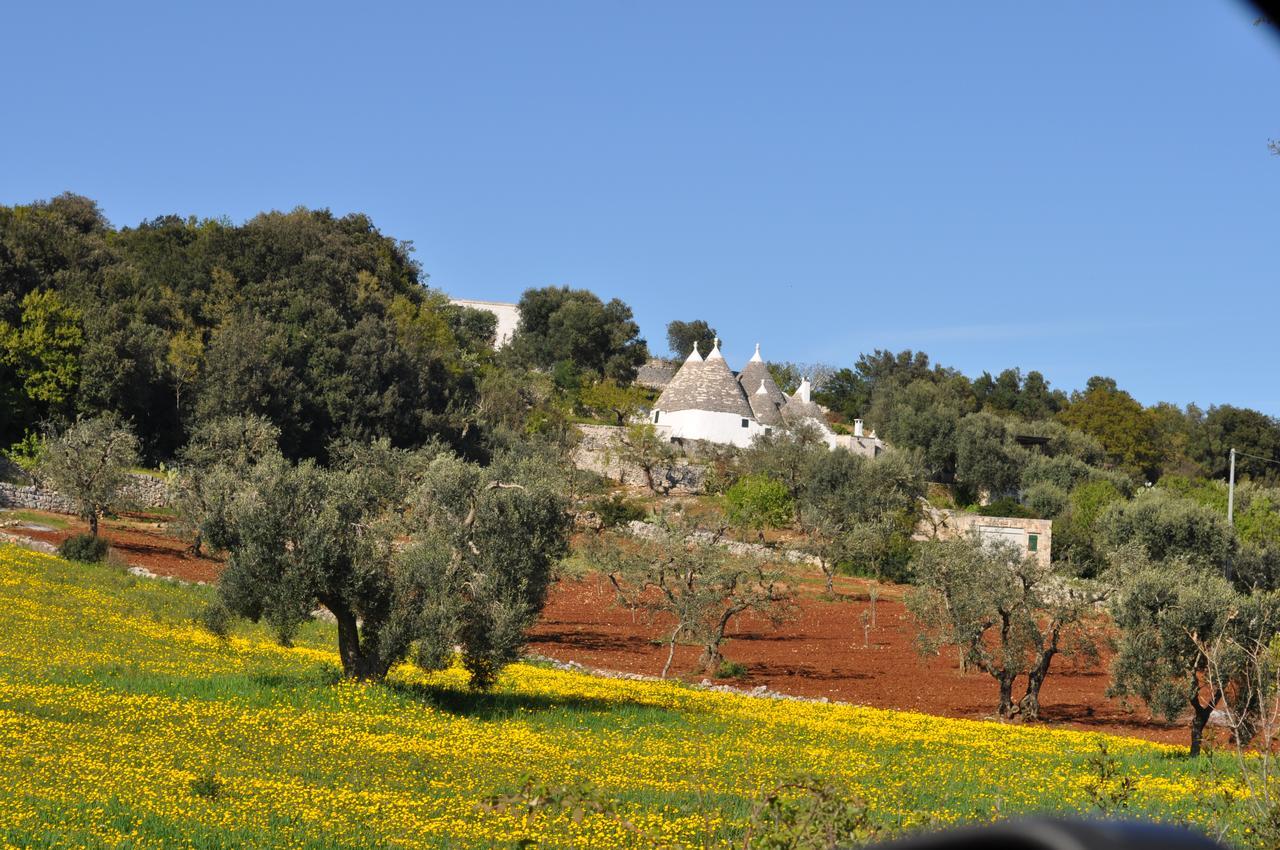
[[1048, 834]]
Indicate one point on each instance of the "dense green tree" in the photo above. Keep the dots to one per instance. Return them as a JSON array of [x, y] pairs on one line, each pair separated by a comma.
[[559, 324], [681, 337], [1128, 432], [40, 358], [845, 392], [356, 347], [88, 462], [1010, 392], [1254, 434]]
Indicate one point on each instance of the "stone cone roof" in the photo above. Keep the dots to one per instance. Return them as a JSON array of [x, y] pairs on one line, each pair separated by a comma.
[[705, 385], [797, 410], [766, 411]]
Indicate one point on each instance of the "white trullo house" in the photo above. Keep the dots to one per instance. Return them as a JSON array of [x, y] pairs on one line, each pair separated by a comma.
[[704, 400]]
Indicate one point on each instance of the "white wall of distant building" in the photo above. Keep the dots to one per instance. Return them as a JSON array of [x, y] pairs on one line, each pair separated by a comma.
[[508, 317], [709, 425]]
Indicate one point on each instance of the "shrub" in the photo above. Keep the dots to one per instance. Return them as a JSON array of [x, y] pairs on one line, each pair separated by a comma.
[[616, 510], [216, 620], [86, 548], [1046, 500], [207, 785], [757, 502], [26, 453], [731, 670]]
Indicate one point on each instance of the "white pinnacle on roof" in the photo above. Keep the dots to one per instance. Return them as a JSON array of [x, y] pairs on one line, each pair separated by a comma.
[[802, 392], [694, 356], [762, 390], [715, 350], [756, 358]]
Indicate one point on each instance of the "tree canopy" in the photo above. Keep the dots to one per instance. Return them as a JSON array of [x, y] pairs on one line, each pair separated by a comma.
[[681, 337], [563, 325]]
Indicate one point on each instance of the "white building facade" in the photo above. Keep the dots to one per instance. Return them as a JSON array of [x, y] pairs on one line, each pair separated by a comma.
[[705, 400]]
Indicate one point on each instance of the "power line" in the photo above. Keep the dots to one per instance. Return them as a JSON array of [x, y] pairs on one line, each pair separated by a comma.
[[1258, 457]]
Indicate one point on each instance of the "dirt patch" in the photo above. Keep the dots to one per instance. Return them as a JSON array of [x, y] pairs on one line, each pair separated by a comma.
[[140, 540], [821, 654]]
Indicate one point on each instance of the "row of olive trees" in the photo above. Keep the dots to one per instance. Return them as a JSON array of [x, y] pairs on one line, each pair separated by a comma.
[[414, 553], [1179, 625]]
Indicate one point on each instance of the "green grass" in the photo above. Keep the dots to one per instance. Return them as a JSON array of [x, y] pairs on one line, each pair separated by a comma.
[[34, 518], [122, 724]]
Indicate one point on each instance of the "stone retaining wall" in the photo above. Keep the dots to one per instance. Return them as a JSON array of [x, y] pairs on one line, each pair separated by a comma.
[[141, 491], [601, 450]]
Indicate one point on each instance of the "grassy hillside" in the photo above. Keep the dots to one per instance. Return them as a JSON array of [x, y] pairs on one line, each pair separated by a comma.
[[123, 724]]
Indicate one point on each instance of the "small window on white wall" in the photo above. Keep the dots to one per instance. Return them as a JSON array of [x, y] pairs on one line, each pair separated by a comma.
[[655, 416], [745, 423]]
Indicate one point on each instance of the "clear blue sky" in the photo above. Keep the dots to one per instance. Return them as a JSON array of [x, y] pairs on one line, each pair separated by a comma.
[[1080, 188]]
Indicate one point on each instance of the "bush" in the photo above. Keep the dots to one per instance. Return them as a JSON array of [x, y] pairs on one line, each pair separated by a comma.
[[731, 670], [216, 620], [85, 548], [616, 510], [757, 502], [1046, 500], [207, 785]]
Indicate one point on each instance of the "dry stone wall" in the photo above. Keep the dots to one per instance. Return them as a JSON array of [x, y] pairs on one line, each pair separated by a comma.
[[601, 450], [140, 491]]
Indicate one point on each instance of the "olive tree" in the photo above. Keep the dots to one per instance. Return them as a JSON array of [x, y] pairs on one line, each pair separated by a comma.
[[89, 462], [1168, 526], [1177, 622], [983, 459], [1009, 615], [854, 508], [473, 573], [684, 573], [213, 464]]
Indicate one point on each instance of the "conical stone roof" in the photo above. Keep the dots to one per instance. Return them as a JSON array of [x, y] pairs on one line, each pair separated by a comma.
[[799, 407], [755, 373], [705, 385]]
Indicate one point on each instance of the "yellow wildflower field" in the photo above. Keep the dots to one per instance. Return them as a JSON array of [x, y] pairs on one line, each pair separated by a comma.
[[125, 724]]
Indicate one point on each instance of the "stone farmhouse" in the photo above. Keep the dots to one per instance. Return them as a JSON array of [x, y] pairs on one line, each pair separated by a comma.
[[1031, 537], [705, 400]]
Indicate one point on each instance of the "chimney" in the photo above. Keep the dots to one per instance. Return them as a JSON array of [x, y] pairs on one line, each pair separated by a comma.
[[803, 391], [857, 427]]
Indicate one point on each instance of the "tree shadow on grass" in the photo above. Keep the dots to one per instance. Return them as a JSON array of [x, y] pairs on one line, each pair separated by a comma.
[[497, 704]]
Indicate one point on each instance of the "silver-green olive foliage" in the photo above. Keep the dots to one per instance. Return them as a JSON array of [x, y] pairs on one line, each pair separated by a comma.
[[89, 461], [1181, 630], [413, 553]]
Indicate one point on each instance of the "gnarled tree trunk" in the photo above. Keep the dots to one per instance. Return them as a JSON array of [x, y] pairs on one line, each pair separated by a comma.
[[360, 661]]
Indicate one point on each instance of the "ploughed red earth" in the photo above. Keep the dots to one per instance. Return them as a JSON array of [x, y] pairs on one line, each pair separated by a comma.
[[819, 652]]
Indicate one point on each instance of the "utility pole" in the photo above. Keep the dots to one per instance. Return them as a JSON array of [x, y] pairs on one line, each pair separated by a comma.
[[1231, 490]]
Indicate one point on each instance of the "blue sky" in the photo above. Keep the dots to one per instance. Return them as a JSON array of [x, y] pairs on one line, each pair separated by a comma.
[[1078, 188]]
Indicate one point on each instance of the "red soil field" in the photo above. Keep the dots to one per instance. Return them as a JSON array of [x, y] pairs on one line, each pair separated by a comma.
[[817, 653], [820, 653]]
